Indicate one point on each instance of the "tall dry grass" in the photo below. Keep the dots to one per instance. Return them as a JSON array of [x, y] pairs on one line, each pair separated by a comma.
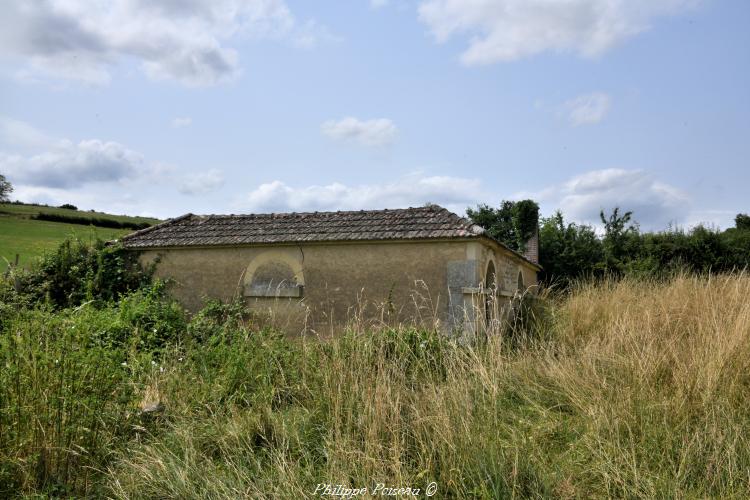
[[624, 389]]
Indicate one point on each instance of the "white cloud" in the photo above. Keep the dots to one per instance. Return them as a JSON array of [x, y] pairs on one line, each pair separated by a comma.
[[202, 182], [55, 166], [507, 30], [587, 109], [654, 204], [311, 34], [455, 193], [712, 218], [180, 122], [177, 40], [72, 165], [21, 135], [93, 173], [378, 132]]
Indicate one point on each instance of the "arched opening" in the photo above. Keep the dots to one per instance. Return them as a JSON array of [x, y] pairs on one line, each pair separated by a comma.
[[272, 277], [521, 286], [490, 286], [273, 274], [490, 276]]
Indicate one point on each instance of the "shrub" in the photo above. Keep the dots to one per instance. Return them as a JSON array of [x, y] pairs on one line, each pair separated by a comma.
[[150, 319], [89, 221], [78, 272], [219, 322]]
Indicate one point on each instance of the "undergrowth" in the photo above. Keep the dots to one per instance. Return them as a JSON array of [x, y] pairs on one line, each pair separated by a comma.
[[634, 388]]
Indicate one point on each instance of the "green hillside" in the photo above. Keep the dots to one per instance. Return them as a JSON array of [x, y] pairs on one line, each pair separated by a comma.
[[21, 234]]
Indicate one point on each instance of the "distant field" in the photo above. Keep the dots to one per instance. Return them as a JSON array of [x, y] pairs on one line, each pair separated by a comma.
[[29, 238]]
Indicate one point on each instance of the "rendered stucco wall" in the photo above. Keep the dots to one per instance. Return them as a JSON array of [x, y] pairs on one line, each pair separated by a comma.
[[398, 282]]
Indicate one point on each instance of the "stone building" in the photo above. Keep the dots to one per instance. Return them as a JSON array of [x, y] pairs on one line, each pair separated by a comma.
[[316, 271]]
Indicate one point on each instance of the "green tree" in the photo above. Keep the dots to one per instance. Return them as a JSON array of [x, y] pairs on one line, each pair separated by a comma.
[[620, 235], [525, 218], [498, 222], [742, 222], [5, 188], [568, 251], [513, 223]]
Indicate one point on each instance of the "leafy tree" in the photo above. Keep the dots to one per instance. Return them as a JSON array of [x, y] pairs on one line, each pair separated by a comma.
[[619, 238], [742, 222], [498, 222], [525, 221], [568, 251], [699, 250], [737, 245], [5, 188], [513, 223]]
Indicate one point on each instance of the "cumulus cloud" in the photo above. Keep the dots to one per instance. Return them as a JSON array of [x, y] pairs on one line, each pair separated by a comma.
[[453, 192], [654, 204], [507, 30], [180, 122], [21, 135], [378, 132], [202, 182], [182, 41], [93, 173], [73, 165], [60, 166], [587, 109]]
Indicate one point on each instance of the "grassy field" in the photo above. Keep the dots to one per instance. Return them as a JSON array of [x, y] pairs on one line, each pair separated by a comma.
[[29, 238], [631, 389]]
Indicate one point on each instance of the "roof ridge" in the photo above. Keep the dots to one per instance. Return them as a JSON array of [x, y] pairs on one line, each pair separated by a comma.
[[330, 212], [161, 225], [470, 225]]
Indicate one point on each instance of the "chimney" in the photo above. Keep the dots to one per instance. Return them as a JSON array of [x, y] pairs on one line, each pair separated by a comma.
[[532, 247]]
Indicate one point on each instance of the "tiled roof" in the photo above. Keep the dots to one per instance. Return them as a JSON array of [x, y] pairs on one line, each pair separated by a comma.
[[422, 223]]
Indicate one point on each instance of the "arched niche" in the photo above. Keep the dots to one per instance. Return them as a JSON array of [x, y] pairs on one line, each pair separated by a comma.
[[490, 287], [490, 276], [274, 274]]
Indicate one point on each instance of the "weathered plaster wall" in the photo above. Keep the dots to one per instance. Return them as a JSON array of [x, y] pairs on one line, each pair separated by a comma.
[[322, 286], [506, 266], [506, 283]]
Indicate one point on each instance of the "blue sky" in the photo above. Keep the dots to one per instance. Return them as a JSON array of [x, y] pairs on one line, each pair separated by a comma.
[[231, 106]]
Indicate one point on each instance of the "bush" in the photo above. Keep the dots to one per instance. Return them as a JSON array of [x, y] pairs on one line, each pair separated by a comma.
[[219, 322], [78, 272], [68, 206], [89, 221], [150, 319]]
